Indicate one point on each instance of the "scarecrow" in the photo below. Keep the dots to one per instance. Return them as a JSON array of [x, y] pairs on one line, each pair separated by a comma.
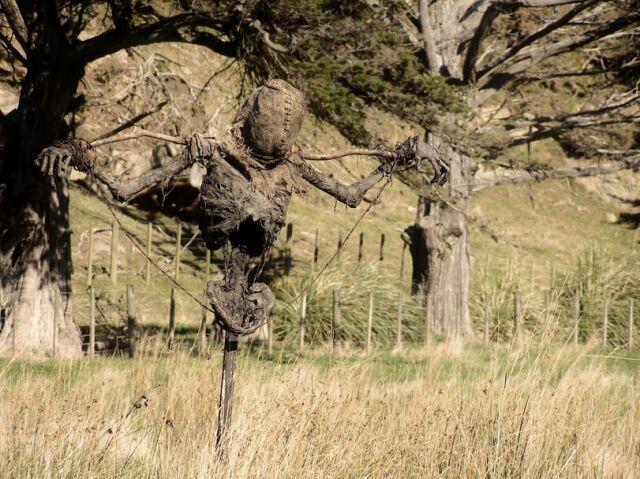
[[251, 173]]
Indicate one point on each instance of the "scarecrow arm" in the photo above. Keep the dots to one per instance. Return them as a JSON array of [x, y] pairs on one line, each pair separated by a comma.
[[351, 195], [64, 155]]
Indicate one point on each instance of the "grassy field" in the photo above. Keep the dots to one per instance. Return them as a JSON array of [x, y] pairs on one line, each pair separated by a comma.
[[453, 410]]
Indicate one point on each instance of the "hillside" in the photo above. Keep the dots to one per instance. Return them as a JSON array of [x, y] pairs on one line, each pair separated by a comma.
[[535, 226]]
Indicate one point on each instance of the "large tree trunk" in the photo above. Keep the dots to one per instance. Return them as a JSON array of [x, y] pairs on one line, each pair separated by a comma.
[[439, 245], [36, 253]]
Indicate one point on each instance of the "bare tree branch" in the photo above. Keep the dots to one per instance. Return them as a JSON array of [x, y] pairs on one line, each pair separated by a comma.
[[184, 27], [16, 22], [538, 34], [428, 38], [503, 176]]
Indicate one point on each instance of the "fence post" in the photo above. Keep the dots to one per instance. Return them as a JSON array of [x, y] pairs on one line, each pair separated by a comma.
[[115, 229], [485, 314], [369, 322], [202, 332], [360, 245], [303, 315], [576, 318], [178, 251], [400, 299], [315, 249], [56, 321], [605, 321], [547, 305], [132, 325], [207, 270], [172, 320], [92, 322], [630, 323], [288, 259], [336, 334], [382, 247], [90, 262], [552, 285], [517, 306], [147, 271], [427, 318]]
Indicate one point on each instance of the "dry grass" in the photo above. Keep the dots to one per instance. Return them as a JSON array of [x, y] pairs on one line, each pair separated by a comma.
[[453, 411]]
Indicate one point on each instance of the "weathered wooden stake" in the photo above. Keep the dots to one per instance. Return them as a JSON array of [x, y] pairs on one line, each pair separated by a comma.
[[369, 322], [485, 314], [178, 251], [576, 318], [115, 229], [303, 315], [336, 334], [547, 305], [605, 321], [92, 322], [56, 322], [202, 332], [207, 269], [90, 262], [552, 285], [427, 320], [288, 258], [316, 250], [630, 317], [172, 320], [360, 245], [517, 317], [132, 325], [229, 356], [147, 271], [270, 335], [382, 247]]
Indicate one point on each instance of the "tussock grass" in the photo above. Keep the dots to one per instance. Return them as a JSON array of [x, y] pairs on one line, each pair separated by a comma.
[[452, 411]]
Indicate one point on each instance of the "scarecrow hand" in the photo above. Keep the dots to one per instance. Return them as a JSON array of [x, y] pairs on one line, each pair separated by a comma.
[[59, 158]]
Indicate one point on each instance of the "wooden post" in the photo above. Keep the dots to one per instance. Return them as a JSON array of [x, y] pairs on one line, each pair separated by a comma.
[[552, 285], [303, 315], [56, 321], [369, 322], [315, 249], [90, 262], [360, 245], [336, 334], [517, 317], [92, 322], [172, 320], [178, 251], [630, 317], [207, 269], [485, 313], [576, 318], [400, 300], [427, 319], [202, 332], [132, 325], [605, 321], [288, 259], [115, 228], [147, 271], [382, 247], [547, 305], [229, 356]]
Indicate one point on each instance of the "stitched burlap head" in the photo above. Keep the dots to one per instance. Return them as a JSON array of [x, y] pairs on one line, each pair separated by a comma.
[[270, 119]]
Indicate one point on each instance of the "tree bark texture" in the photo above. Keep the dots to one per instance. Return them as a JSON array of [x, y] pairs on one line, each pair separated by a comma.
[[35, 254]]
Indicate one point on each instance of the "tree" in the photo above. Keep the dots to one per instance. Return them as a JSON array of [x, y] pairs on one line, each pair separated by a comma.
[[50, 43], [532, 33]]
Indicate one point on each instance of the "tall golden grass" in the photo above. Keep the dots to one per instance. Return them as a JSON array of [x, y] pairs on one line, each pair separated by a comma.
[[453, 410]]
